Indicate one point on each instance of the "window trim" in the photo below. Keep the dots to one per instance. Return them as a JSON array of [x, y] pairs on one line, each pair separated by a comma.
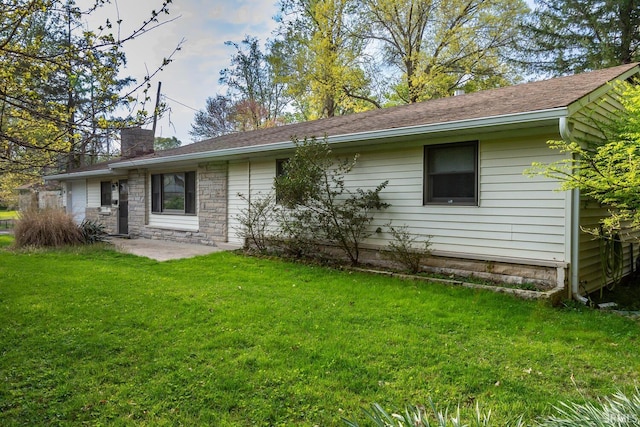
[[427, 197], [105, 196], [190, 194]]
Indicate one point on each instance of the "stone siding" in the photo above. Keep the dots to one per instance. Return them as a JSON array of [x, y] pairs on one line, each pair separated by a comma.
[[212, 201], [138, 206], [108, 217], [212, 208]]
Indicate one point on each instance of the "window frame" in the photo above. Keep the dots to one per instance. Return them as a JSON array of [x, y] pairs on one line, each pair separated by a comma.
[[428, 179], [189, 194], [105, 193]]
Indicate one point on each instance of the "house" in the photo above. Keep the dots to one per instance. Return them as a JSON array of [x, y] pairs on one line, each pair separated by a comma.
[[40, 196], [456, 171]]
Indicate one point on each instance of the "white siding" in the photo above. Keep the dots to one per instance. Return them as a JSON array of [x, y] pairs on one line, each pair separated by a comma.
[[174, 222], [518, 217], [585, 127], [93, 193], [590, 266], [238, 182]]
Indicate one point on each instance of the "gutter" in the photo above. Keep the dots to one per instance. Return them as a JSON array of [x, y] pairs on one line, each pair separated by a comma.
[[565, 133], [507, 119], [84, 174]]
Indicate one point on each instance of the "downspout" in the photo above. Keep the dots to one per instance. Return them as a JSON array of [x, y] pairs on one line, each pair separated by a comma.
[[565, 133]]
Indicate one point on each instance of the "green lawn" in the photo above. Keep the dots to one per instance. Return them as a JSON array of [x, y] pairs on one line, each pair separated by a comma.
[[8, 214], [101, 338]]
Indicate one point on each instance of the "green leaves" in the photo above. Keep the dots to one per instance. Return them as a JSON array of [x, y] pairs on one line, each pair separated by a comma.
[[320, 208], [571, 36], [607, 171], [60, 86]]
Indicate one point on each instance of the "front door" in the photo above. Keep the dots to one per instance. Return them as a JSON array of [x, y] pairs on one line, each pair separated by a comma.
[[123, 203]]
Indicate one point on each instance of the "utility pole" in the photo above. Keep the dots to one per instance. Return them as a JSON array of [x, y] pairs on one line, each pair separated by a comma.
[[155, 110]]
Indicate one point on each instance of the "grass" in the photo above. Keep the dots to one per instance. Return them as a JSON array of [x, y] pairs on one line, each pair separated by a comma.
[[7, 219], [92, 336], [8, 214]]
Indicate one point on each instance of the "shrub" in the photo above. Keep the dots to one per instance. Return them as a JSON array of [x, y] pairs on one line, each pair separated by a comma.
[[92, 232], [47, 227], [320, 206], [255, 221], [405, 250], [618, 410], [421, 416]]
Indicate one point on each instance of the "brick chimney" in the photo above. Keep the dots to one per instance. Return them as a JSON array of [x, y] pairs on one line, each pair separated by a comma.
[[136, 142]]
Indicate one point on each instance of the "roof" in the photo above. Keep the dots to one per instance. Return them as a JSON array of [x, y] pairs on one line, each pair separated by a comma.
[[540, 96]]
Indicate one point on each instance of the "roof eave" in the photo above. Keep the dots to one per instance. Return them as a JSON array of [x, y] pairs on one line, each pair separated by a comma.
[[508, 119], [80, 175]]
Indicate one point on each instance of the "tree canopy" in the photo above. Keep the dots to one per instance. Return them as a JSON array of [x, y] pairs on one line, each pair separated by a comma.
[[442, 45], [572, 36], [336, 57], [60, 91]]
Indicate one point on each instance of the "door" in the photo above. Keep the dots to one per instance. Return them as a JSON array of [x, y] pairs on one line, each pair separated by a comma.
[[77, 200], [123, 203]]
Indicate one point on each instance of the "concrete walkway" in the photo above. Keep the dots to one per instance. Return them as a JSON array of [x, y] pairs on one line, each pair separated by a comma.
[[164, 250]]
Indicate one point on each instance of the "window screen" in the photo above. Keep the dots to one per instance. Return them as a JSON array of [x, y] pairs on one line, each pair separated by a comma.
[[451, 173]]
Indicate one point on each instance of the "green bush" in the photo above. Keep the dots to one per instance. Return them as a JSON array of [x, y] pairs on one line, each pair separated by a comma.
[[421, 416], [47, 227], [92, 232], [618, 410], [319, 206], [404, 249]]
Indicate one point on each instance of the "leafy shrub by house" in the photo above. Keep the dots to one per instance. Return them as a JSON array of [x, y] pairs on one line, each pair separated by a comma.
[[256, 221], [47, 227], [406, 250], [319, 206]]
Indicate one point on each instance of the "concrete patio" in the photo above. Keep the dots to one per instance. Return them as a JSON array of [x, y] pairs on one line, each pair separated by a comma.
[[164, 250]]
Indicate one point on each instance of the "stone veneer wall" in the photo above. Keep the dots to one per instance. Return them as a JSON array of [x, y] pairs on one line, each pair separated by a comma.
[[212, 208], [138, 207], [212, 201], [108, 218]]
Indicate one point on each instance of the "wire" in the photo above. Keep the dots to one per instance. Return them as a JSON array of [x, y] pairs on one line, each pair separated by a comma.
[[180, 103]]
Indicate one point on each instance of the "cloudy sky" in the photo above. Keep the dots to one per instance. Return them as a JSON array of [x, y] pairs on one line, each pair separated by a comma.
[[204, 25]]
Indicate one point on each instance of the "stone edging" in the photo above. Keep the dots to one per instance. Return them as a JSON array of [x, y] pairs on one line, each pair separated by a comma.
[[554, 296]]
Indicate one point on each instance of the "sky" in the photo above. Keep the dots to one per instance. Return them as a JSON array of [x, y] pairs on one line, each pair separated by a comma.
[[203, 27]]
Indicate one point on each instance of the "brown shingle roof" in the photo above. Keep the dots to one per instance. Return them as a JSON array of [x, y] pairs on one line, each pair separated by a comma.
[[528, 97], [535, 96]]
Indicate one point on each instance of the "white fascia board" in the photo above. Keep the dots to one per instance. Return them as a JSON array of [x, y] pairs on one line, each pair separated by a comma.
[[484, 122], [81, 175]]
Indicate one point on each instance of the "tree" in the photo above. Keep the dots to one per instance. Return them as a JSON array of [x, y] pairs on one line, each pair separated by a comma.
[[59, 84], [320, 57], [606, 169], [259, 97], [218, 118], [572, 36], [442, 45], [319, 205], [160, 143]]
